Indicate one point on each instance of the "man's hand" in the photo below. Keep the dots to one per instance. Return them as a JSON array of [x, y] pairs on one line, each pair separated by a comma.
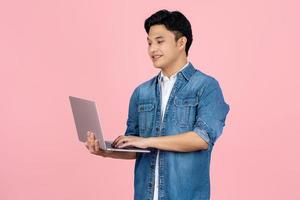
[[93, 146], [126, 141]]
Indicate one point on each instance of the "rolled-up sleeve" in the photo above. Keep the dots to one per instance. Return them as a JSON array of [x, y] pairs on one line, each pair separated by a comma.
[[132, 120], [211, 112]]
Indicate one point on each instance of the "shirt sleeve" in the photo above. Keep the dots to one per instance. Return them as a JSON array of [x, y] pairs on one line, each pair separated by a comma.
[[132, 120], [211, 113]]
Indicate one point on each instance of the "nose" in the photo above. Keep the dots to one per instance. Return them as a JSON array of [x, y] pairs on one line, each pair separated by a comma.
[[152, 48]]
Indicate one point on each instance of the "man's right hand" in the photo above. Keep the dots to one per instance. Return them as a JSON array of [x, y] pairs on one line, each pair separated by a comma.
[[92, 144]]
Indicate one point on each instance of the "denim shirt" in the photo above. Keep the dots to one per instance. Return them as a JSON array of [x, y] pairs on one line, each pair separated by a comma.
[[196, 104]]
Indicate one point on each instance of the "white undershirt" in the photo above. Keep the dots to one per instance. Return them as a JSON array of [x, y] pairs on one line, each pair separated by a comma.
[[166, 85]]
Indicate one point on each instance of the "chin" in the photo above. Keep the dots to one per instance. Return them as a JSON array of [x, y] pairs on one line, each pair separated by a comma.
[[158, 65]]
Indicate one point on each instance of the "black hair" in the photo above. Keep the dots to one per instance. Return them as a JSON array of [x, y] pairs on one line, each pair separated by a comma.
[[175, 22]]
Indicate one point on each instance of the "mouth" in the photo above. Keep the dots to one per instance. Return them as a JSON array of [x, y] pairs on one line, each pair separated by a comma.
[[156, 57]]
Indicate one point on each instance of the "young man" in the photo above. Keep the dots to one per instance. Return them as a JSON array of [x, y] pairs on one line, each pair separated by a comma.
[[178, 114]]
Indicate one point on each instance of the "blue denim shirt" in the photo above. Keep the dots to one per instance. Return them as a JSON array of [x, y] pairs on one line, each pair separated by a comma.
[[196, 104]]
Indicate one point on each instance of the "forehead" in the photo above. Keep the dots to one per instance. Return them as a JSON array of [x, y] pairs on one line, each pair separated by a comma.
[[159, 31]]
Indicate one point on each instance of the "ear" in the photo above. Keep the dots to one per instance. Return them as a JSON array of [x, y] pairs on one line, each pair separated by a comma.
[[182, 42]]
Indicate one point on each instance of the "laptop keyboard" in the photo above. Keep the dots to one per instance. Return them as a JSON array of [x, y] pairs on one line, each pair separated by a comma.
[[108, 145]]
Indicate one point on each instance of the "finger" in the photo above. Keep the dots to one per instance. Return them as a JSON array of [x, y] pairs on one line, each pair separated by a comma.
[[117, 139], [86, 145], [89, 138], [91, 146], [97, 146], [122, 140]]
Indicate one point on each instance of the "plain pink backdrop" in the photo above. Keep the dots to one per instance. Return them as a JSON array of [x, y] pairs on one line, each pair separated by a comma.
[[98, 50]]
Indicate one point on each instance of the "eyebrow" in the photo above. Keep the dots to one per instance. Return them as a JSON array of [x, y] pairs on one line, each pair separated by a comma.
[[158, 37]]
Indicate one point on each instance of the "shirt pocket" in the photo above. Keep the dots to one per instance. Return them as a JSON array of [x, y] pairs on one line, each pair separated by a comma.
[[185, 111], [146, 116]]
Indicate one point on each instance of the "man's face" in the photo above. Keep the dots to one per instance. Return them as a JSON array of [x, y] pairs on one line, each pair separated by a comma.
[[162, 47]]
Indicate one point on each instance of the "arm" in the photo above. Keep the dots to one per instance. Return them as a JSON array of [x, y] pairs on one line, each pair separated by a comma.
[[210, 119], [211, 113], [116, 155], [184, 142]]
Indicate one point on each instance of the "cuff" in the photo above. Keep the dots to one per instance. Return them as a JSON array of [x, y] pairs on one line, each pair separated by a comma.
[[203, 134]]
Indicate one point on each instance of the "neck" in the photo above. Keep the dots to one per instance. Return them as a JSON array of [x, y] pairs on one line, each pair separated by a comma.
[[174, 67]]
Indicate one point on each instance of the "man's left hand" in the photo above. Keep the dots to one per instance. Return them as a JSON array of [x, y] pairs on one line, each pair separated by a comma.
[[125, 141]]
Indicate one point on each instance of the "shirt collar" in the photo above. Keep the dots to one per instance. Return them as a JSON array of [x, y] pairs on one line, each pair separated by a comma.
[[163, 77]]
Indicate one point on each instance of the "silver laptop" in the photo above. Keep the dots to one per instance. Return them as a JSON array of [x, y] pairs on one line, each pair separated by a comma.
[[86, 119]]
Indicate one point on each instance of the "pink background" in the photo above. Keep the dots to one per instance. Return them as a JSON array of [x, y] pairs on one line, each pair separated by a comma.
[[97, 50]]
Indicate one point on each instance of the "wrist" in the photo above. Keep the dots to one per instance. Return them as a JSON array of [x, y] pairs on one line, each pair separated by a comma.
[[151, 142]]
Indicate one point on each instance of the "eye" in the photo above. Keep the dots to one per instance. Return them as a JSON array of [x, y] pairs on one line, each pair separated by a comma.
[[160, 42], [149, 44]]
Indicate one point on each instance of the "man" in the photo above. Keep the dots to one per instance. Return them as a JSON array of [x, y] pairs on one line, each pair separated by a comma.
[[178, 114]]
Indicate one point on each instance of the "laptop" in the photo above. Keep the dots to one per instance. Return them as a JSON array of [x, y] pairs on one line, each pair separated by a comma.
[[86, 119]]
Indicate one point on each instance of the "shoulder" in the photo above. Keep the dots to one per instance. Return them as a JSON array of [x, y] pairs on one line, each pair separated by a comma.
[[205, 80], [147, 84], [145, 87]]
